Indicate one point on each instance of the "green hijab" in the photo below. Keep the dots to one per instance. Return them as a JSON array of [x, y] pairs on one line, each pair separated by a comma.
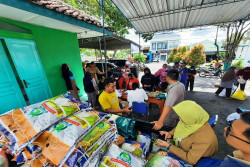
[[194, 117]]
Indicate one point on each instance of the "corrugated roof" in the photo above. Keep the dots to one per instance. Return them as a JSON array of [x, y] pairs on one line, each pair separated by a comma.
[[66, 9], [113, 42], [148, 16]]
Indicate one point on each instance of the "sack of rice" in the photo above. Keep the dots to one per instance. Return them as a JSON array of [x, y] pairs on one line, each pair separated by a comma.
[[59, 141], [115, 156]]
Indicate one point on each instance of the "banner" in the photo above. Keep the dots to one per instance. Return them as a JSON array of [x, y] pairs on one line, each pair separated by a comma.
[[134, 48]]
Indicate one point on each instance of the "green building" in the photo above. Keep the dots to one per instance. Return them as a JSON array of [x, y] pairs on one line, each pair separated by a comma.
[[36, 38]]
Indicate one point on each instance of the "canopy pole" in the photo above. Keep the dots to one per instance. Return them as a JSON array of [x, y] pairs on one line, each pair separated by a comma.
[[104, 41], [139, 44]]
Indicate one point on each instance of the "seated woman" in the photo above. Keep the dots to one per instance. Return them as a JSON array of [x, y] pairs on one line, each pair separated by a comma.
[[193, 136], [131, 79], [138, 95]]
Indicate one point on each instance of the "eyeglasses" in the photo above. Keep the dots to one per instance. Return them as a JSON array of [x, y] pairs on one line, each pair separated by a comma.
[[228, 133]]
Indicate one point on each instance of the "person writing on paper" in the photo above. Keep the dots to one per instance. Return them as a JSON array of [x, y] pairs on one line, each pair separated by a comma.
[[108, 98], [194, 138], [176, 93], [244, 75], [136, 95]]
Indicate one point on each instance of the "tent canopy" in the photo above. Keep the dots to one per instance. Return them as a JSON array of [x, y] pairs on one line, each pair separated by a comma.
[[113, 42], [149, 16]]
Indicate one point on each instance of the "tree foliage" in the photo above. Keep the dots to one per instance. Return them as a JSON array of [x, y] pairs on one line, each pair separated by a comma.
[[235, 33], [196, 56], [147, 37], [139, 57], [177, 54], [112, 16]]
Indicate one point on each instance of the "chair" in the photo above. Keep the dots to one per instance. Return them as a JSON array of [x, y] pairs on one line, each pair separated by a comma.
[[212, 121], [140, 108], [209, 162]]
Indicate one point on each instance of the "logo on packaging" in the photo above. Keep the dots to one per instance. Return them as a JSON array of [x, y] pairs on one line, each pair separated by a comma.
[[125, 157], [37, 111], [61, 126]]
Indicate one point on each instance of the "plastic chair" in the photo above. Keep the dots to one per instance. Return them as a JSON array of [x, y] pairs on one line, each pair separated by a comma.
[[212, 121], [209, 162], [140, 108]]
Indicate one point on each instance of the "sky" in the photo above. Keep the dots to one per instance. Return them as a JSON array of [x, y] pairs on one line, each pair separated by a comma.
[[188, 36]]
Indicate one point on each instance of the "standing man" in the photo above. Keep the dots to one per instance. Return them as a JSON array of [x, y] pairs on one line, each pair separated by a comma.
[[176, 66], [184, 74], [191, 76], [109, 100], [175, 95], [93, 70], [238, 136]]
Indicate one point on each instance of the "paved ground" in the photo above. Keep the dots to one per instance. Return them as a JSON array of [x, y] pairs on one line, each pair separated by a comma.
[[203, 94]]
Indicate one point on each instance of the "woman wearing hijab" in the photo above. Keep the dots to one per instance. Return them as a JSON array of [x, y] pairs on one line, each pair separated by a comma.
[[70, 81], [90, 88], [148, 80], [194, 138], [227, 81], [244, 75]]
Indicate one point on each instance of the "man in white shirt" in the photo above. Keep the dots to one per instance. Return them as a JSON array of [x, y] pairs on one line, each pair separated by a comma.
[[136, 95]]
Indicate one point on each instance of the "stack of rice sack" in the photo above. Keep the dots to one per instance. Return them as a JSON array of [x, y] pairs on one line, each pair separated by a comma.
[[22, 126], [52, 131]]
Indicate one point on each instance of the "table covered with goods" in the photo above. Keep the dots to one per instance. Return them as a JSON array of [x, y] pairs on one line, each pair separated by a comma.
[[63, 131]]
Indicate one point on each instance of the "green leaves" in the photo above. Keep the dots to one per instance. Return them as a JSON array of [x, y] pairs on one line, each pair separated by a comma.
[[113, 17], [139, 57], [193, 58]]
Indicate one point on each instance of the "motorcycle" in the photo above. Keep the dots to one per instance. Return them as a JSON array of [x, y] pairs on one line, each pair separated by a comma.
[[211, 71]]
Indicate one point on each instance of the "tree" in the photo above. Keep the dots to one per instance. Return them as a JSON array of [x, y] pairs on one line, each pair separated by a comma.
[[196, 56], [139, 57], [235, 33], [113, 17], [177, 54], [123, 53], [147, 37]]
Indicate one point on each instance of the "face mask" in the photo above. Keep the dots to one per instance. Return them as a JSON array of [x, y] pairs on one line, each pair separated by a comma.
[[116, 78], [123, 70], [127, 72]]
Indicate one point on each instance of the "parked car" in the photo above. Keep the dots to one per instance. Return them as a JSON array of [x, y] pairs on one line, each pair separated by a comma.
[[119, 62], [101, 66], [122, 62]]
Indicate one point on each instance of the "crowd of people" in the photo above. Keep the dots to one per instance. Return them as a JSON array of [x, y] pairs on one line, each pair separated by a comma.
[[231, 78], [184, 121]]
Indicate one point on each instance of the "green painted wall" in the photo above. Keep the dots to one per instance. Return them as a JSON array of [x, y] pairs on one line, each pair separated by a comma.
[[55, 47]]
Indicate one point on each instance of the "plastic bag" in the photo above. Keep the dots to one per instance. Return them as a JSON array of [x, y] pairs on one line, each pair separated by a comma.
[[58, 142], [161, 159], [146, 138], [126, 128], [239, 95], [223, 93], [136, 148], [118, 157]]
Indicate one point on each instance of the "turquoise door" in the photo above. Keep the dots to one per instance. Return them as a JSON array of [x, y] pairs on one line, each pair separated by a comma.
[[29, 69], [10, 93]]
